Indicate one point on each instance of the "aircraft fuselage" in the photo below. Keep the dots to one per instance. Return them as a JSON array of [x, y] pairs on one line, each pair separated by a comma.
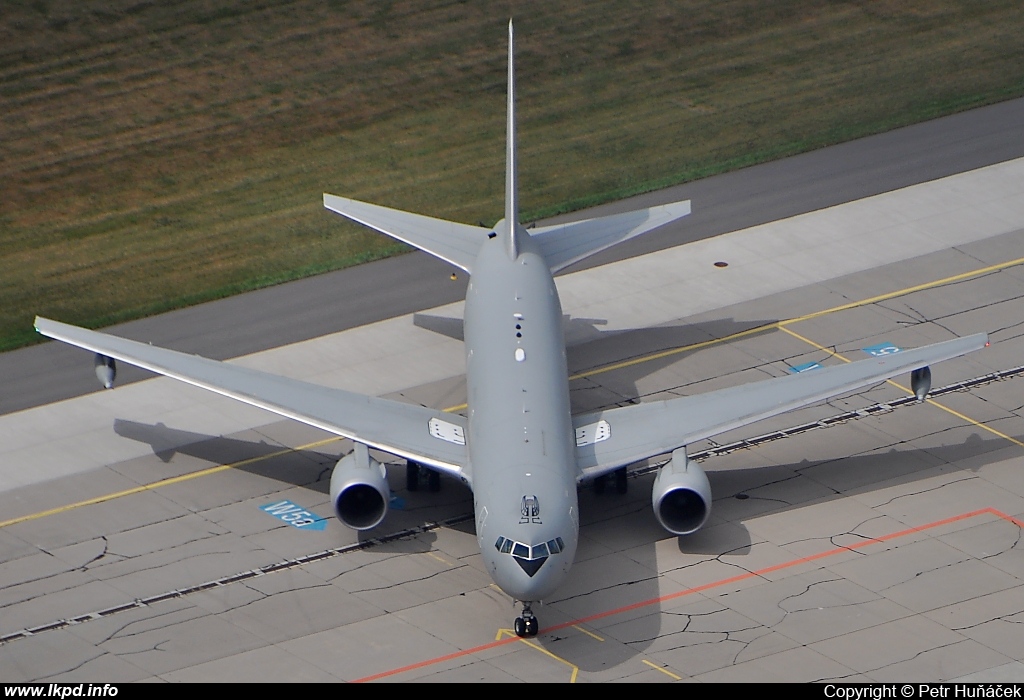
[[521, 440]]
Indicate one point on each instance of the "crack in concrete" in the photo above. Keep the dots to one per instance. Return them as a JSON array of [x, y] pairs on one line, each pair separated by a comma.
[[918, 654], [998, 618], [967, 477], [926, 571], [120, 632], [130, 557], [725, 637], [72, 668], [646, 579], [804, 592]]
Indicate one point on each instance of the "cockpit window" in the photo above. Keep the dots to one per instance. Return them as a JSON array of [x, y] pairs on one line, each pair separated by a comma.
[[525, 551]]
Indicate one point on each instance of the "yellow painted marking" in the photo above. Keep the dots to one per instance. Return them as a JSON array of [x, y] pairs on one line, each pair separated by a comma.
[[165, 482], [440, 559], [910, 290], [969, 420], [588, 633], [782, 324], [574, 667], [656, 667], [933, 402], [833, 353]]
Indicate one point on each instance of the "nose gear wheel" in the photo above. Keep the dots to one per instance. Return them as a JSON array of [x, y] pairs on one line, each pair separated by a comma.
[[527, 625]]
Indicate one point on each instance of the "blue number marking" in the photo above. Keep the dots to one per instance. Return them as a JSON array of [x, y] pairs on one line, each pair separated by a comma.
[[294, 515], [882, 349], [806, 367]]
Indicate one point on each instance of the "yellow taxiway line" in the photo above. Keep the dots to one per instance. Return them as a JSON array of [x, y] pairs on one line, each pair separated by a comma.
[[167, 482], [899, 386], [656, 667]]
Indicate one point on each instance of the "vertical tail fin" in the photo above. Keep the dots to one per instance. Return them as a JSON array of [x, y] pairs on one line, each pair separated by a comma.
[[513, 230]]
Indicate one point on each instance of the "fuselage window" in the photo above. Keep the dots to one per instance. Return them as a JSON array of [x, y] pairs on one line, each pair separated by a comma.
[[506, 546], [540, 550], [521, 550]]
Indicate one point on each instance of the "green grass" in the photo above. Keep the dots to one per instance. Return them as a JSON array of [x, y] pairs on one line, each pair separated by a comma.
[[155, 155]]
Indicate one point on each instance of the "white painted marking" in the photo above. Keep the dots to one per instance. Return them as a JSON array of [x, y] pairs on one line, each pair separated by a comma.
[[449, 432], [595, 432]]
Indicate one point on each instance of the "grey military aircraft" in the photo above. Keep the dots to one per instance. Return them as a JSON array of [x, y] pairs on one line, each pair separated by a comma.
[[519, 447]]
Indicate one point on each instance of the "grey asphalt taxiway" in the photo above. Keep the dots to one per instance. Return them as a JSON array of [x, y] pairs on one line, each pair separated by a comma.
[[866, 539]]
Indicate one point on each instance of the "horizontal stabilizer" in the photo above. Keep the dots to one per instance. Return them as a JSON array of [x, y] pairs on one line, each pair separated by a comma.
[[450, 241], [442, 325], [565, 244]]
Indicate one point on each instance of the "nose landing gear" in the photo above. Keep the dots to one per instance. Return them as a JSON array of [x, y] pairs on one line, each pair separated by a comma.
[[527, 625]]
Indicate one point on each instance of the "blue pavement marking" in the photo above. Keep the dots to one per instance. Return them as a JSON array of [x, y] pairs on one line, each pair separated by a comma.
[[294, 515], [805, 367], [882, 349], [396, 503]]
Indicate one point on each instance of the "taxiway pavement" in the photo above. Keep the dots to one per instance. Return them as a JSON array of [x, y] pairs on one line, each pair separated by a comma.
[[134, 543]]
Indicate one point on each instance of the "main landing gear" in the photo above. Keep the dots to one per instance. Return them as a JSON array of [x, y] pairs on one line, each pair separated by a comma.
[[527, 625], [621, 484], [412, 477]]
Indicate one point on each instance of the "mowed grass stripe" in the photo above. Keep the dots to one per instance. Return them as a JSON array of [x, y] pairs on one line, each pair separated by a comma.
[[156, 155]]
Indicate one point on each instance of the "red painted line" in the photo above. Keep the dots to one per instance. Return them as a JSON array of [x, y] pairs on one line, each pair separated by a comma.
[[707, 586]]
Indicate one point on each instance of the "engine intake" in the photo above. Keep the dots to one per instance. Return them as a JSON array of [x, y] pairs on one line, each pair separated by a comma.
[[359, 490], [682, 495]]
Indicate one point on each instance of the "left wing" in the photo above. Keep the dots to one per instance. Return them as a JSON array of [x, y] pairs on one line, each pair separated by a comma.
[[422, 434], [616, 437]]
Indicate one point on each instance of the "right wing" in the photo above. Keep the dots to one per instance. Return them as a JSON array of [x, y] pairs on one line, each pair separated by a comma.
[[616, 437], [450, 241], [421, 434]]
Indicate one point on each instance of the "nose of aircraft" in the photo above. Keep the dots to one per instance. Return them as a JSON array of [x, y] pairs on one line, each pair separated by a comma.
[[530, 566]]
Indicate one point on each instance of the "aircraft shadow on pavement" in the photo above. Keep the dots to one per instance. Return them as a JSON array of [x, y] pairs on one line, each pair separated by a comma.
[[625, 526], [309, 469], [620, 386]]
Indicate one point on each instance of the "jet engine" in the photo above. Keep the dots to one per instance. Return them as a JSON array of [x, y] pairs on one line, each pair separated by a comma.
[[359, 490], [681, 495], [106, 370]]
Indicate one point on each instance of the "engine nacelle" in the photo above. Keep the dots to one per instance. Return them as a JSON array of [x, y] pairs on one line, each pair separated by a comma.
[[921, 383], [359, 490], [106, 370], [682, 495]]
